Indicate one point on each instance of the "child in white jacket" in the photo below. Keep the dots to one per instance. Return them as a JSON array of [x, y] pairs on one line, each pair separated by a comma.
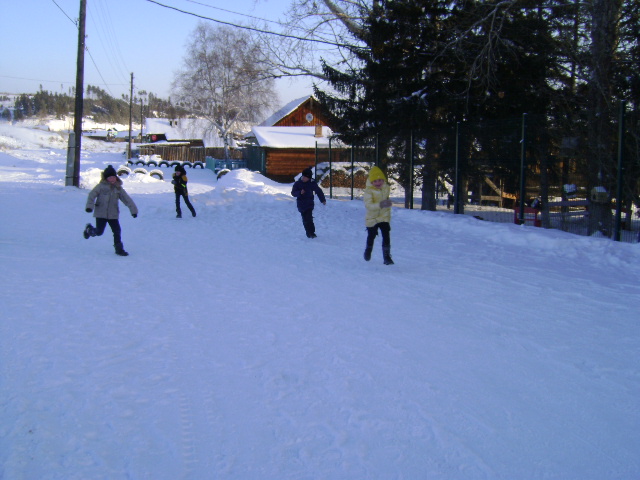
[[104, 198]]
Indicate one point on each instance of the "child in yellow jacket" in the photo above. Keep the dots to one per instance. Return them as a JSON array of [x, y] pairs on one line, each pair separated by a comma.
[[378, 214]]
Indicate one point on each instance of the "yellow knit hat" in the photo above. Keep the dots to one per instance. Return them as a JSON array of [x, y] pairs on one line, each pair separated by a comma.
[[376, 174]]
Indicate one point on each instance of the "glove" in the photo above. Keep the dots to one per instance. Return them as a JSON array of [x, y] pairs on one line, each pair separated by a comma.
[[385, 203], [134, 215], [88, 210]]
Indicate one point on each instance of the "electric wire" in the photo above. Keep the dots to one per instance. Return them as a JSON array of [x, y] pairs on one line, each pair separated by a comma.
[[103, 27], [236, 13], [252, 17], [65, 13], [253, 29], [93, 61]]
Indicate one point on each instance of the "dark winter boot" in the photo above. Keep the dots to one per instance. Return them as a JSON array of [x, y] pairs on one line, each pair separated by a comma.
[[88, 231], [386, 255], [120, 250], [367, 251]]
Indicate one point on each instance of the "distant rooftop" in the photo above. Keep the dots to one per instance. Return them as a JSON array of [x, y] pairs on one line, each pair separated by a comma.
[[293, 137], [284, 111]]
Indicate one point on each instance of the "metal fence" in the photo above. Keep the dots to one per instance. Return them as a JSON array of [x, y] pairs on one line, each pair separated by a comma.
[[516, 170]]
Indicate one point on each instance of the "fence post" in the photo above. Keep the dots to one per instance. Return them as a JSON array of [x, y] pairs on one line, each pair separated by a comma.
[[523, 165], [352, 172], [456, 186], [330, 172], [315, 167], [411, 170], [70, 160], [616, 228]]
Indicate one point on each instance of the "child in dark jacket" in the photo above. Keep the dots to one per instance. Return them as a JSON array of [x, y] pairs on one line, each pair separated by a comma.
[[180, 188], [303, 190]]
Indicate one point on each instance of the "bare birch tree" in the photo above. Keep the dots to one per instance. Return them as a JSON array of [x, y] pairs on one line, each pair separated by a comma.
[[317, 31], [225, 80]]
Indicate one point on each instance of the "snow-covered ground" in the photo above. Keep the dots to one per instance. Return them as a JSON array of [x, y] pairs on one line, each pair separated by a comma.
[[230, 346]]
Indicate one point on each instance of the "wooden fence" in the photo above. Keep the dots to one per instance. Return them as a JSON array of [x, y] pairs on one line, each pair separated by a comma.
[[185, 152]]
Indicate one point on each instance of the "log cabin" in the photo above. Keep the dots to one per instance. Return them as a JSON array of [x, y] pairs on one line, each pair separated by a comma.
[[292, 139]]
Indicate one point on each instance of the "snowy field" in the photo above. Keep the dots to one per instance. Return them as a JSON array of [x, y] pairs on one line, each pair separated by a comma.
[[230, 346]]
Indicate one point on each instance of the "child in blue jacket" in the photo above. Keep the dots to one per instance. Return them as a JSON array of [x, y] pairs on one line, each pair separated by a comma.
[[303, 190]]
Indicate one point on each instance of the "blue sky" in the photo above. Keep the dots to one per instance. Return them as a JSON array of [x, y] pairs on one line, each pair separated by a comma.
[[39, 42]]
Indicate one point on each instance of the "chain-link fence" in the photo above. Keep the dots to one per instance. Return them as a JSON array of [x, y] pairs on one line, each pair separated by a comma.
[[518, 170]]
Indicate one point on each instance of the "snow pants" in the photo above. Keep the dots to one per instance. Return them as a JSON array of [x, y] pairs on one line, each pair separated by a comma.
[[372, 233], [101, 224], [186, 202], [307, 222]]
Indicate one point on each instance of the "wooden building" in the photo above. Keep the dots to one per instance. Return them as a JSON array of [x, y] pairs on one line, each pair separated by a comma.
[[303, 112], [281, 153], [292, 139], [188, 150]]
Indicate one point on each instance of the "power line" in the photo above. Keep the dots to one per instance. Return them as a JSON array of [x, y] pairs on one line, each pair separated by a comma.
[[98, 70], [253, 29], [44, 80], [294, 27], [105, 84], [75, 22], [235, 13], [36, 79], [104, 24]]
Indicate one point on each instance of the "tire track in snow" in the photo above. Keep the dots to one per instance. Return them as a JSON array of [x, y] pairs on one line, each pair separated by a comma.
[[188, 442]]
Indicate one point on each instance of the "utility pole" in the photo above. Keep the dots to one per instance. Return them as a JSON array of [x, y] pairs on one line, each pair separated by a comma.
[[75, 140], [130, 117], [141, 118]]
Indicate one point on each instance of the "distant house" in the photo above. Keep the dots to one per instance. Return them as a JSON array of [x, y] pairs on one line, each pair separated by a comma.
[[185, 150], [154, 137], [303, 112], [292, 139], [185, 139], [179, 129], [281, 153]]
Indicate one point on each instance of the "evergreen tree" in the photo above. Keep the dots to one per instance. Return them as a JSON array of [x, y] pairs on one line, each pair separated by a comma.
[[431, 63]]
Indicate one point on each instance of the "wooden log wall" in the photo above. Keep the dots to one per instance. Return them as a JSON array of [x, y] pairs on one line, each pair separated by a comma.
[[181, 153], [284, 164]]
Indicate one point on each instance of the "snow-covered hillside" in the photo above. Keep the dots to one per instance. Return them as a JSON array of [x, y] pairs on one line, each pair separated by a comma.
[[231, 346]]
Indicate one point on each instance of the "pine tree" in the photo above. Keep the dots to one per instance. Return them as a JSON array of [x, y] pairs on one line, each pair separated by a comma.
[[428, 64]]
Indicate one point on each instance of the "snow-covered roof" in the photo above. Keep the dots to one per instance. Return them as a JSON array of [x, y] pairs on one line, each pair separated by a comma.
[[293, 137], [284, 111]]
